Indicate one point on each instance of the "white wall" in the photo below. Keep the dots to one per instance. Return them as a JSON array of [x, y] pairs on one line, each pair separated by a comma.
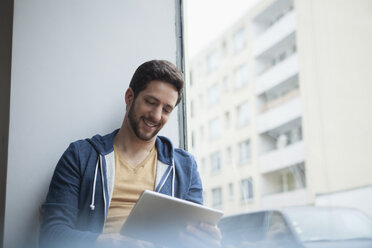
[[72, 62], [334, 48]]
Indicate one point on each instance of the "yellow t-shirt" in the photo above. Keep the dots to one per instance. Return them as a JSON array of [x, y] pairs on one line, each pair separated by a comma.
[[129, 183]]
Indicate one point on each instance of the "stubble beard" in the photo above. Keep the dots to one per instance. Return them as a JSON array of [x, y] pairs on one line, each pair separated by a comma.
[[134, 124]]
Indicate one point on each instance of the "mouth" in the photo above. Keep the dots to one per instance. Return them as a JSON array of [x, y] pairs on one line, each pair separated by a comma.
[[149, 123]]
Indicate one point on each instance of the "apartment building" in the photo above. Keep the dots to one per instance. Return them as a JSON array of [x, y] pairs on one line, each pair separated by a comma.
[[248, 98]]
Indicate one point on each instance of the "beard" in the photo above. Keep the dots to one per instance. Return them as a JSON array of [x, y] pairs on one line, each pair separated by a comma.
[[134, 123]]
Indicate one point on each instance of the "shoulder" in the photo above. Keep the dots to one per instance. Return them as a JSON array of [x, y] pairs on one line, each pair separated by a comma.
[[181, 153]]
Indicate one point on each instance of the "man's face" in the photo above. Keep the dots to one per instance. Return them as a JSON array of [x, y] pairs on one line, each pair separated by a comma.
[[150, 110]]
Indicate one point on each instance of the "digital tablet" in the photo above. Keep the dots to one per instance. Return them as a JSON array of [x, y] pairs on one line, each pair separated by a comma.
[[159, 218]]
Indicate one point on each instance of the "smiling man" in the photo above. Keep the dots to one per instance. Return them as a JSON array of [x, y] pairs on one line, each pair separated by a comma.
[[97, 181]]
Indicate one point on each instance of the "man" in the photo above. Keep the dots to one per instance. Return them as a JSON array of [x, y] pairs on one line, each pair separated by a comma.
[[97, 181]]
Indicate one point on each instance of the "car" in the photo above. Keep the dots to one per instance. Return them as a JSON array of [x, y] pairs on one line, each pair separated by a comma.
[[298, 227]]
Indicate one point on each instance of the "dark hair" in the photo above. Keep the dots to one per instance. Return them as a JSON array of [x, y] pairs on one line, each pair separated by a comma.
[[157, 70]]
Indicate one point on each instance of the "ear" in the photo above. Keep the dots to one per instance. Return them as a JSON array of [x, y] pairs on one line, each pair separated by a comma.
[[129, 96]]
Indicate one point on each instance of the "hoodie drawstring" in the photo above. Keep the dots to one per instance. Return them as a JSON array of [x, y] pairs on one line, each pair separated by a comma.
[[92, 206], [174, 177]]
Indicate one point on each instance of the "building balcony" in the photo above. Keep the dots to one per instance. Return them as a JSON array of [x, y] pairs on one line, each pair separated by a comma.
[[281, 158], [280, 115], [297, 197], [276, 75], [273, 35]]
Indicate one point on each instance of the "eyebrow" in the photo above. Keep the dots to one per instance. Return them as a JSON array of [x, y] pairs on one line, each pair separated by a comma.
[[157, 100]]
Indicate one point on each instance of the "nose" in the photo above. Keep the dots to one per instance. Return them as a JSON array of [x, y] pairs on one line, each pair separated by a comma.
[[156, 114]]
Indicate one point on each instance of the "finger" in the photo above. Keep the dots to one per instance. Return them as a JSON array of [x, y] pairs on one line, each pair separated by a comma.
[[203, 236], [212, 230]]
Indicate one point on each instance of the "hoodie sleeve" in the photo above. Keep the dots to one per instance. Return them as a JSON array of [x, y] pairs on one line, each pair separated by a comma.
[[61, 209], [195, 193]]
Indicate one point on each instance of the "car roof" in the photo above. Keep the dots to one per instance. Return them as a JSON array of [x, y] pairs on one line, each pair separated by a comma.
[[284, 210]]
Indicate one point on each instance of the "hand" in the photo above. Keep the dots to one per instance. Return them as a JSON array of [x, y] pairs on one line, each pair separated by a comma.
[[114, 240], [203, 235]]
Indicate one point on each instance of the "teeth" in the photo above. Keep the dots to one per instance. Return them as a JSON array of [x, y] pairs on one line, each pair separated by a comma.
[[149, 124]]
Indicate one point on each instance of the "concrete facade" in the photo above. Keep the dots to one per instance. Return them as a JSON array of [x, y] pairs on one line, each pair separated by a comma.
[[281, 99]]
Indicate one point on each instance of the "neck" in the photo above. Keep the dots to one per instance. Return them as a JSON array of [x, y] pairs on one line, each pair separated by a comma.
[[127, 141]]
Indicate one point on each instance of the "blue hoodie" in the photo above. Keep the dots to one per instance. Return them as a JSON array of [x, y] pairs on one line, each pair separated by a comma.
[[81, 188]]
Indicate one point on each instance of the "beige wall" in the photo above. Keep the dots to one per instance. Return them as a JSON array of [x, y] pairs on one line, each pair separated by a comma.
[[334, 44]]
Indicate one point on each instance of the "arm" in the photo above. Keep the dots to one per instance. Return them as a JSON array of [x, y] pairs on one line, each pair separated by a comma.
[[61, 208], [195, 193], [204, 234]]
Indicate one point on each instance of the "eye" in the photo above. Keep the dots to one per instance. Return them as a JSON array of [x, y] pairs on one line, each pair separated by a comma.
[[150, 102], [167, 111]]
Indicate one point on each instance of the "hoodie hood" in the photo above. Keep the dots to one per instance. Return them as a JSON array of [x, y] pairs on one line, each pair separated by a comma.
[[103, 144]]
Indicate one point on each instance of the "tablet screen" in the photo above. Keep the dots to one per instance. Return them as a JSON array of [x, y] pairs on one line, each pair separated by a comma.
[[159, 218]]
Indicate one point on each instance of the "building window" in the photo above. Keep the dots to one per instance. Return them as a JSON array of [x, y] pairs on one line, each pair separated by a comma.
[[294, 178], [227, 119], [191, 78], [203, 165], [294, 48], [192, 113], [246, 190], [241, 76], [215, 162], [214, 129], [201, 133], [193, 139], [282, 56], [244, 152], [239, 40], [212, 61], [243, 114], [226, 83], [204, 196], [228, 155], [201, 100], [231, 191], [217, 197], [213, 95]]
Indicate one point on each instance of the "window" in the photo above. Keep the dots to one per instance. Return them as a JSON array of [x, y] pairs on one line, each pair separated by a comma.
[[214, 129], [227, 119], [215, 162], [201, 100], [191, 78], [228, 155], [212, 61], [193, 139], [244, 152], [246, 190], [282, 56], [243, 114], [217, 197], [201, 133], [239, 40], [213, 95], [294, 48], [192, 113], [226, 83], [231, 191], [241, 76], [288, 181], [203, 165]]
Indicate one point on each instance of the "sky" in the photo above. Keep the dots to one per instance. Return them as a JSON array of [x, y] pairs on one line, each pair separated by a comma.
[[207, 19]]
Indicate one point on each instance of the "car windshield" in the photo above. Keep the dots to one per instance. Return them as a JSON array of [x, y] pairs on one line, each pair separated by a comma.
[[329, 224]]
